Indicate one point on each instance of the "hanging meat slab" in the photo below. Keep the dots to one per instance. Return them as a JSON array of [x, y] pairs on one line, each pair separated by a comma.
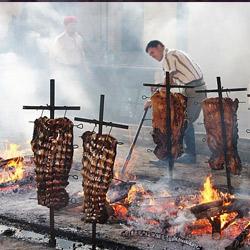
[[212, 121], [99, 152], [178, 107], [52, 145]]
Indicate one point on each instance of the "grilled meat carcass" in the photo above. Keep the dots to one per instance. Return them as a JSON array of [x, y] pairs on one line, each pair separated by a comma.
[[178, 104], [212, 120], [99, 152], [52, 145]]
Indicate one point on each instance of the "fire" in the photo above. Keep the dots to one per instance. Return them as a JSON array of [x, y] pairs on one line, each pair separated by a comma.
[[120, 211], [224, 218], [134, 192], [11, 151], [14, 169], [209, 193]]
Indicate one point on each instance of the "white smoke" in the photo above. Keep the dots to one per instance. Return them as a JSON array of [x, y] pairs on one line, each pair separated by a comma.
[[18, 86], [217, 39]]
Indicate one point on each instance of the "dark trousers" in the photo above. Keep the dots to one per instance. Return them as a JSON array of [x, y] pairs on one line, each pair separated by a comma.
[[189, 139], [193, 111]]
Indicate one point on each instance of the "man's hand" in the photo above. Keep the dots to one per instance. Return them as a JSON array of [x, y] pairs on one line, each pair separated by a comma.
[[147, 104]]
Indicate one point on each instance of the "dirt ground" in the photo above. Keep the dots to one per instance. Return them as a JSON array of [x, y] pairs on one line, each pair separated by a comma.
[[14, 244]]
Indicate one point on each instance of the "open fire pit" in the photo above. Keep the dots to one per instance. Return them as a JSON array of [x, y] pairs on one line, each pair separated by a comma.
[[150, 212], [16, 173], [207, 212]]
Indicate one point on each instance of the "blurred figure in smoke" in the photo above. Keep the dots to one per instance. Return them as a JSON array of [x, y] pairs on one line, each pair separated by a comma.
[[68, 47], [68, 64], [183, 71]]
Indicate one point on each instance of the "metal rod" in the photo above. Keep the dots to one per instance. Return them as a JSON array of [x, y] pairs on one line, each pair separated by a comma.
[[163, 85], [224, 135], [55, 107], [134, 142], [222, 90], [101, 112], [93, 235], [100, 122], [52, 240], [52, 98], [168, 126], [111, 124], [51, 107]]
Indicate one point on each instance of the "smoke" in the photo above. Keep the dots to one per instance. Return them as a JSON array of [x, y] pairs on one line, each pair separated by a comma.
[[27, 33], [17, 78], [215, 35]]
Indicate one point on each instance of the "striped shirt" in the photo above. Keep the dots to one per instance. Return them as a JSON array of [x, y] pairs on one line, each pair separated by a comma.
[[182, 67]]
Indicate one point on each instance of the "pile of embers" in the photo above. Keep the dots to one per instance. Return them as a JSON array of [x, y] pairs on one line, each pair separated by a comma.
[[16, 174], [206, 212]]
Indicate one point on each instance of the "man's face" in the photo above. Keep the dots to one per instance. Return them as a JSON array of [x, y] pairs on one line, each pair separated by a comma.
[[71, 28], [156, 53]]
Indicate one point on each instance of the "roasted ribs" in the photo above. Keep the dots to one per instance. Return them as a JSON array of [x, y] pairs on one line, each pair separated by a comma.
[[99, 152], [52, 145]]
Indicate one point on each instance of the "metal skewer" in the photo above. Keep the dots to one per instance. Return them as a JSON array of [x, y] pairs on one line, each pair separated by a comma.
[[52, 108]]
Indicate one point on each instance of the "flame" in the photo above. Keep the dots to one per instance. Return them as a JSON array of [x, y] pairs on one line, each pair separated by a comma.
[[120, 211], [209, 193], [11, 151], [133, 193], [12, 171], [224, 218], [151, 201]]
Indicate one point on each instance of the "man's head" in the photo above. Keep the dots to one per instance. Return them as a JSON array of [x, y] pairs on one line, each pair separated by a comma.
[[155, 49], [70, 24]]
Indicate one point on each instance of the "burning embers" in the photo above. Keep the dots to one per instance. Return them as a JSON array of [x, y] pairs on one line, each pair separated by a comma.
[[207, 212], [215, 212], [14, 171]]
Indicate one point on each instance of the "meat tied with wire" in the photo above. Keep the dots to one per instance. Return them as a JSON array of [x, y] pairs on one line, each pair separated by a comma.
[[99, 152], [212, 121], [52, 145], [178, 108]]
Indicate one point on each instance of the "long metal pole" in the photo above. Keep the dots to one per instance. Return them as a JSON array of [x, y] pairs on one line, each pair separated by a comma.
[[224, 135], [101, 113], [134, 142], [52, 240], [93, 235], [168, 126], [52, 98]]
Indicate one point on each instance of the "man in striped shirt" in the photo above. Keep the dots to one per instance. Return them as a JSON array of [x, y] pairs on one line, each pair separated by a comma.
[[182, 71]]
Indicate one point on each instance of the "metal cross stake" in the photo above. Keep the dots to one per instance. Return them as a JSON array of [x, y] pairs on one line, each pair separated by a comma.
[[52, 108], [220, 90], [168, 87], [248, 95], [100, 122]]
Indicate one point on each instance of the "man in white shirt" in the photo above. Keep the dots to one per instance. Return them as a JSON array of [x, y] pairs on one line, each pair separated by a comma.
[[68, 46], [68, 65], [182, 71]]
